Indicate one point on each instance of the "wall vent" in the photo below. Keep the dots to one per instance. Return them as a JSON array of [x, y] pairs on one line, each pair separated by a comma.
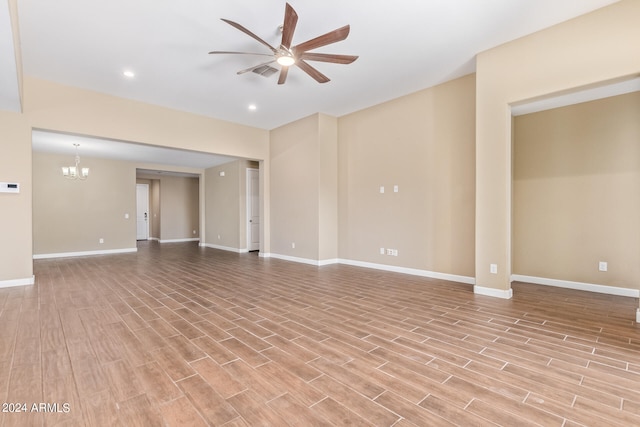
[[265, 70]]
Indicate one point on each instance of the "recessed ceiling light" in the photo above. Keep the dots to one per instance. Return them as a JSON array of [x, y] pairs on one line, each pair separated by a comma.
[[252, 107], [128, 73]]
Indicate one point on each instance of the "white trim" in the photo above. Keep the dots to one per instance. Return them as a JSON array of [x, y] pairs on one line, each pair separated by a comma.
[[224, 248], [576, 97], [17, 282], [493, 292], [412, 271], [638, 315], [317, 263], [391, 268], [195, 239], [84, 253], [591, 287], [264, 255]]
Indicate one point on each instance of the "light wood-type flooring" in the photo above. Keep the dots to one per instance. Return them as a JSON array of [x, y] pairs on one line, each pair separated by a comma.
[[179, 335]]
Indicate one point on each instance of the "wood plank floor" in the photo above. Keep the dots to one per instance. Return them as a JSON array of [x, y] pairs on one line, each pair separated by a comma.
[[185, 336]]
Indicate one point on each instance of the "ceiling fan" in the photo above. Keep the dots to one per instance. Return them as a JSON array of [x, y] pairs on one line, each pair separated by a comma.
[[298, 55]]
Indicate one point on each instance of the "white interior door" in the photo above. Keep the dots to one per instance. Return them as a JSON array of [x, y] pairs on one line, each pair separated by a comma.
[[253, 209], [142, 211]]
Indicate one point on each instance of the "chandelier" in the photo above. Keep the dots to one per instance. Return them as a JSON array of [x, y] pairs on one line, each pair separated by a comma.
[[75, 172]]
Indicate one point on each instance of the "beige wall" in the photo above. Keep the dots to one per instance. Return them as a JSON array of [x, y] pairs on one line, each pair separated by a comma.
[[327, 187], [179, 206], [50, 106], [182, 194], [576, 192], [424, 144], [304, 189], [154, 204], [222, 206], [296, 194], [16, 266], [72, 215], [587, 50], [226, 205]]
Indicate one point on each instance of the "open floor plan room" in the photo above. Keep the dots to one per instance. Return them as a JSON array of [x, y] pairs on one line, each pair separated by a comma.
[[176, 335]]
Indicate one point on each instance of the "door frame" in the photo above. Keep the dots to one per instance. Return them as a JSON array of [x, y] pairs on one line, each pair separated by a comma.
[[248, 173], [146, 209]]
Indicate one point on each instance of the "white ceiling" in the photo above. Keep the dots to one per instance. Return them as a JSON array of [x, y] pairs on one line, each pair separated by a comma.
[[404, 46], [9, 93]]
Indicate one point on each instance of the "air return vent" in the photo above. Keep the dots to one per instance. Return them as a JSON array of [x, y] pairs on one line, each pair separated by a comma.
[[265, 70]]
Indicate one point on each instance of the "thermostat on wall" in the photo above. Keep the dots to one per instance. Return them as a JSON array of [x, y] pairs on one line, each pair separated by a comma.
[[9, 187]]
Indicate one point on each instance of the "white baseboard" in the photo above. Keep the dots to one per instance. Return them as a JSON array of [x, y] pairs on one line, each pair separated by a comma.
[[591, 287], [493, 292], [302, 260], [195, 239], [224, 248], [412, 271], [17, 282], [385, 267], [84, 253]]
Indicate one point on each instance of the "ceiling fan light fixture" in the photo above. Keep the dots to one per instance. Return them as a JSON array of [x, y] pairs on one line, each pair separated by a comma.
[[287, 55], [286, 60]]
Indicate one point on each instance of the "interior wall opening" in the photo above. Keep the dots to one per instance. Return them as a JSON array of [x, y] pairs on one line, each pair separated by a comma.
[[576, 188]]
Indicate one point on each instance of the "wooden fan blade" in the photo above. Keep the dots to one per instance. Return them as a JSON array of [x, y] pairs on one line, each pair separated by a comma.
[[317, 75], [327, 57], [289, 25], [323, 40], [246, 70], [283, 75], [249, 33], [238, 53]]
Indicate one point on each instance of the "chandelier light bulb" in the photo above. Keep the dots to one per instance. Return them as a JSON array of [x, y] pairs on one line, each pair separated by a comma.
[[71, 172]]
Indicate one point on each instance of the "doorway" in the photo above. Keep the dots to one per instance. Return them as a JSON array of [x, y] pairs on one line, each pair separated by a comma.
[[142, 211], [253, 209]]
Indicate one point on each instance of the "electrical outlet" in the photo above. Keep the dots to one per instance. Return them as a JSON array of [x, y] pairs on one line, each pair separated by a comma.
[[101, 240], [381, 251], [293, 245], [382, 189], [493, 269], [394, 252], [602, 266], [194, 231]]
